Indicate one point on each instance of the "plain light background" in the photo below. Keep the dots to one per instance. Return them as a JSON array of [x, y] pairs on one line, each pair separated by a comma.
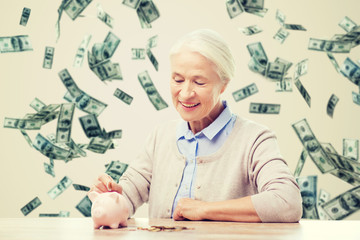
[[22, 78]]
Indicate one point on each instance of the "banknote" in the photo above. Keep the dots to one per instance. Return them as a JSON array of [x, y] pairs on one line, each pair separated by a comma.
[[19, 43], [115, 134], [60, 187], [251, 30], [255, 66], [63, 129], [333, 61], [37, 104], [49, 149], [281, 35], [331, 105], [356, 98], [49, 169], [143, 23], [86, 103], [48, 57], [123, 96], [25, 124], [313, 147], [275, 71], [60, 214], [132, 3], [152, 59], [347, 24], [84, 206], [303, 92], [75, 147], [301, 68], [351, 71], [116, 169], [308, 190], [234, 8], [64, 214], [25, 16], [351, 148], [137, 53], [264, 108], [69, 83], [27, 138], [91, 126], [285, 85], [29, 207], [280, 17], [46, 111], [301, 163], [80, 187], [152, 93], [111, 43], [245, 92], [294, 27], [73, 8], [257, 11], [99, 145], [80, 53], [149, 10], [103, 16], [347, 176], [257, 51], [323, 197], [152, 42], [344, 204], [107, 70], [285, 62], [329, 45]]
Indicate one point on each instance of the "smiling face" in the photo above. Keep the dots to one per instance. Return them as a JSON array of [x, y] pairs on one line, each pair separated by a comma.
[[195, 88]]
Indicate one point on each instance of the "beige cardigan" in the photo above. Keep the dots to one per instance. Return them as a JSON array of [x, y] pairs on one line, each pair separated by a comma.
[[249, 163]]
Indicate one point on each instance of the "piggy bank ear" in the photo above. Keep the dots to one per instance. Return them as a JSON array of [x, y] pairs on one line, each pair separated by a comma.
[[93, 195], [115, 196]]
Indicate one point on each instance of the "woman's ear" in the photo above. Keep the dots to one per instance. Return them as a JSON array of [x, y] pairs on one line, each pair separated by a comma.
[[224, 86]]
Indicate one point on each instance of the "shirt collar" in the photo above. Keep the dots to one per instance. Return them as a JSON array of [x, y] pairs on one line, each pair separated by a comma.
[[210, 131]]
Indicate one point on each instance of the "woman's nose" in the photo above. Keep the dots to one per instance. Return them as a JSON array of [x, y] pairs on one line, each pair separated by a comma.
[[186, 91]]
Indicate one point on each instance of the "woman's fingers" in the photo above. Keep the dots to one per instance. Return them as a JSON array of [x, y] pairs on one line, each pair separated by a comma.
[[104, 183]]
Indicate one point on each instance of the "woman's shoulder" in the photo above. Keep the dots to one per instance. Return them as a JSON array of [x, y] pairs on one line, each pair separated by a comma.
[[246, 124]]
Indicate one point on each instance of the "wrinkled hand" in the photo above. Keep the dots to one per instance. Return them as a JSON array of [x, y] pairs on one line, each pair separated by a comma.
[[104, 183], [189, 209]]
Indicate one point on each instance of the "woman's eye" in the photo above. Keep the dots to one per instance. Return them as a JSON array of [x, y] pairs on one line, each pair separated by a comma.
[[178, 80], [199, 83]]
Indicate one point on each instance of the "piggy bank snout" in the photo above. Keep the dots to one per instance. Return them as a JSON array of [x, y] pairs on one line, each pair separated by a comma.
[[98, 212]]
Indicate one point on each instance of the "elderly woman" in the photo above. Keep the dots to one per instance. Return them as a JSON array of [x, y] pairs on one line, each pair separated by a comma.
[[212, 164]]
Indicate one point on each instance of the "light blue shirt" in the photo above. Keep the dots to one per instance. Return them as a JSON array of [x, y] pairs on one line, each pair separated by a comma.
[[205, 142]]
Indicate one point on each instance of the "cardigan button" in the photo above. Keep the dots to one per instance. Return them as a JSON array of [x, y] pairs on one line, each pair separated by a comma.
[[198, 186]]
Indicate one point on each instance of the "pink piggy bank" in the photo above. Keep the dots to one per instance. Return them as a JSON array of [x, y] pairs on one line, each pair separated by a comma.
[[109, 209]]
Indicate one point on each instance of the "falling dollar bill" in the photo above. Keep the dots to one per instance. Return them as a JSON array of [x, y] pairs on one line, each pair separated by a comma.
[[25, 124], [356, 98], [73, 8], [103, 16], [281, 35], [143, 23], [60, 187], [152, 93], [90, 125], [28, 208], [69, 83], [152, 59], [126, 98], [308, 190], [37, 104], [116, 169], [19, 43], [27, 138], [60, 214], [234, 8], [84, 206], [313, 147], [132, 3], [351, 148], [284, 85], [138, 53], [63, 129], [259, 60], [251, 30], [323, 197], [25, 16], [107, 70], [351, 71], [331, 105], [79, 187], [294, 27], [301, 69], [49, 169], [280, 17], [49, 149], [303, 92], [255, 4], [80, 54], [257, 12], [343, 205], [149, 10], [152, 42], [333, 61], [115, 134], [329, 45], [301, 163], [285, 62], [347, 24], [264, 108], [99, 145], [48, 57], [245, 92], [275, 71]]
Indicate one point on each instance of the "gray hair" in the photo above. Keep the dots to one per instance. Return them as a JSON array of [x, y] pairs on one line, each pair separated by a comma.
[[212, 46]]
